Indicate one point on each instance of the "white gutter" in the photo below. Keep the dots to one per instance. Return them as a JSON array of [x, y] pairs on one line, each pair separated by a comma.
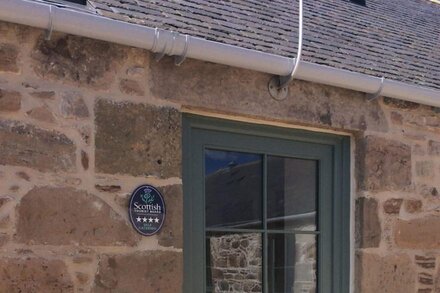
[[38, 14]]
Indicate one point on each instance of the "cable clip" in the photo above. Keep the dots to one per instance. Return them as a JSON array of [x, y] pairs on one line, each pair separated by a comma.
[[375, 95]]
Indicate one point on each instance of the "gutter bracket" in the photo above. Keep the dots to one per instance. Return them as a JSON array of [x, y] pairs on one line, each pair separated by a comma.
[[49, 30], [178, 60], [374, 96], [159, 55]]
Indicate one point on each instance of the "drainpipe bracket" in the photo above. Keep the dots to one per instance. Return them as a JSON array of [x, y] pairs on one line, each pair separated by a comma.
[[276, 91], [178, 60]]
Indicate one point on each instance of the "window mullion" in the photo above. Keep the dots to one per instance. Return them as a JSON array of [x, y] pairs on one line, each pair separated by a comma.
[[265, 237]]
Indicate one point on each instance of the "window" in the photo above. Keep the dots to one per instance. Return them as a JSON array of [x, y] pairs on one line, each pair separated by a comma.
[[266, 209]]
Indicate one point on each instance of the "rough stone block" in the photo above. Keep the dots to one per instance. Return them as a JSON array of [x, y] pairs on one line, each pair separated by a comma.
[[82, 61], [8, 58], [425, 168], [172, 230], [400, 104], [233, 90], [434, 148], [45, 95], [423, 233], [160, 271], [426, 262], [383, 164], [385, 274], [73, 105], [42, 114], [413, 205], [392, 206], [137, 139], [10, 101], [368, 230], [84, 160], [34, 275], [26, 145], [131, 87], [108, 188], [425, 279], [63, 216], [396, 118]]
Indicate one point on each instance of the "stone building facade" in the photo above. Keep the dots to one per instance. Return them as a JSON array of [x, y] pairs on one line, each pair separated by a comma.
[[83, 122]]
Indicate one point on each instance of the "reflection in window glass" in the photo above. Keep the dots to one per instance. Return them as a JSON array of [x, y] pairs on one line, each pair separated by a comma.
[[291, 263], [234, 262], [233, 189], [292, 193]]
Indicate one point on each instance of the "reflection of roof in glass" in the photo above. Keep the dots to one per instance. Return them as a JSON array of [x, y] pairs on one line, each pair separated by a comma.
[[234, 198]]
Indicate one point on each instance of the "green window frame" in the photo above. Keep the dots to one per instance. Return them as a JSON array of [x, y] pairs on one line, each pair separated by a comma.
[[332, 152]]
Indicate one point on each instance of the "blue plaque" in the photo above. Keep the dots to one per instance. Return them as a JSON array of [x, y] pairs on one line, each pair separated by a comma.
[[147, 210]]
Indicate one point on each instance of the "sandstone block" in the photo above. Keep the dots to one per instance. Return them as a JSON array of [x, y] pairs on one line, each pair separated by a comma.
[[8, 58], [160, 271], [4, 201], [131, 87], [423, 233], [368, 230], [34, 275], [108, 188], [425, 168], [45, 95], [73, 105], [213, 86], [413, 205], [10, 101], [42, 114], [396, 118], [434, 148], [400, 104], [383, 164], [172, 230], [392, 206], [81, 61], [385, 274], [63, 216], [425, 279], [26, 145], [23, 175], [84, 160], [4, 238], [426, 262], [137, 139]]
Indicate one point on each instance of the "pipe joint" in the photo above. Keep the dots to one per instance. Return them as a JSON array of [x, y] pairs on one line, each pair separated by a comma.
[[167, 43]]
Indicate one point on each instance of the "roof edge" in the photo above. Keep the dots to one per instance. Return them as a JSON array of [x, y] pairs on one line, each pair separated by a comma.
[[162, 42]]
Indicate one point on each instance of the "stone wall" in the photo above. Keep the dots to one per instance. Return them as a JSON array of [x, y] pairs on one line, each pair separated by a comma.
[[83, 122]]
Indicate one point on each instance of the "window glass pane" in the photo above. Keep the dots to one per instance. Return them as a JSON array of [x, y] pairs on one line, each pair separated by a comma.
[[233, 189], [292, 193], [291, 263], [233, 262]]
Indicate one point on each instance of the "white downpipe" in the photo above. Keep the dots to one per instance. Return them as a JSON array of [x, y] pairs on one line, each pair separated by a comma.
[[284, 81], [37, 14]]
